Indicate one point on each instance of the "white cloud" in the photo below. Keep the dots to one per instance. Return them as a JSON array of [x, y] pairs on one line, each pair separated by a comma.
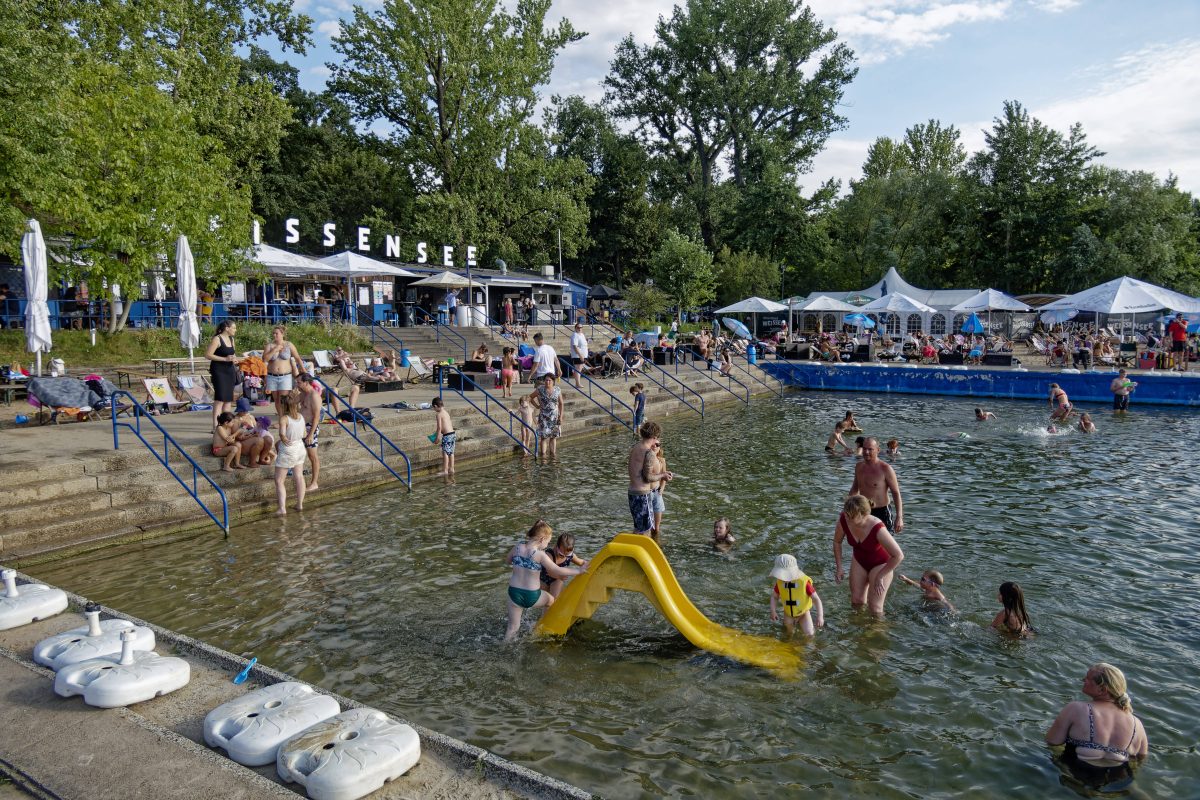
[[320, 70], [1055, 6], [1144, 114], [881, 29], [329, 27]]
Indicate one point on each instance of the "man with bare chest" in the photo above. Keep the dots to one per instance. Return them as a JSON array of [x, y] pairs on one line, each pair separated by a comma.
[[875, 479], [645, 474]]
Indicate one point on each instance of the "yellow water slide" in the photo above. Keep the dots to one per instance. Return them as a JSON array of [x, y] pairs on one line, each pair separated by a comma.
[[637, 564]]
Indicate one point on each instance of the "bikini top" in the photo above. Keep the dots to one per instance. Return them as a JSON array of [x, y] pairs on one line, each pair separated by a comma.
[[525, 561], [283, 355], [1091, 744]]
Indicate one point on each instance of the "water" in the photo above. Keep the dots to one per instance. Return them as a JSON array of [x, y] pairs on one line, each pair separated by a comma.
[[398, 601]]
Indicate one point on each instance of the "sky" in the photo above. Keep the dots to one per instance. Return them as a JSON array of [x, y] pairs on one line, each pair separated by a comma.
[[1127, 70]]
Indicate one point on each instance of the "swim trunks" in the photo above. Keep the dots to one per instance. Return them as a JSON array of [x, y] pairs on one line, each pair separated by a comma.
[[642, 508], [448, 442], [884, 515], [525, 598], [1120, 402], [316, 434]]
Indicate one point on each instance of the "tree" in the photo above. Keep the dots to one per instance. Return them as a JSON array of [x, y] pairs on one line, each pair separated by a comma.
[[683, 268], [731, 84], [645, 301], [740, 275], [457, 83]]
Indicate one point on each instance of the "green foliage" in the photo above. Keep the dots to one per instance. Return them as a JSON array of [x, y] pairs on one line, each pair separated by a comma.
[[144, 128], [740, 275], [753, 86], [458, 84], [683, 268], [645, 301]]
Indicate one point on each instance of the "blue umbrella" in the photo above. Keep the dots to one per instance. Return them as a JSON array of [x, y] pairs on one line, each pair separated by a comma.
[[738, 328], [861, 320], [1194, 327], [972, 324]]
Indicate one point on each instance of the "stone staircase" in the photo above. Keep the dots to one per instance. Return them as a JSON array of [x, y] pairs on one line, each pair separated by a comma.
[[92, 495]]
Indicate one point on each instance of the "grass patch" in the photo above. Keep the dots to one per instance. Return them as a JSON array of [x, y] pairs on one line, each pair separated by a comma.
[[139, 345]]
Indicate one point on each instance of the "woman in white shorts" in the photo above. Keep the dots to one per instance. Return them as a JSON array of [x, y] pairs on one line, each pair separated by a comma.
[[281, 358]]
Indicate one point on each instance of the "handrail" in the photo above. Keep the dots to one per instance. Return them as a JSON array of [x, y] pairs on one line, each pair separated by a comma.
[[747, 371], [662, 385], [588, 394], [707, 372], [438, 328], [330, 395], [486, 396], [136, 428], [385, 335]]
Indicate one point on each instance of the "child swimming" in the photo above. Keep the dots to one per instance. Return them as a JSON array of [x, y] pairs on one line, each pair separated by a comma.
[[1014, 618], [893, 448], [930, 585], [722, 537], [1085, 423], [794, 591], [528, 559], [983, 416], [835, 438]]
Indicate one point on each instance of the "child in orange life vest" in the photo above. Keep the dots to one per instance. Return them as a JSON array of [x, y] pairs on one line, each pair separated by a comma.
[[795, 592]]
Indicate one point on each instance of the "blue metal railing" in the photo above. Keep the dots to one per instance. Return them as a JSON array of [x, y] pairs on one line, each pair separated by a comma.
[[359, 419], [654, 370], [379, 333], [440, 330], [592, 385], [164, 458], [707, 372], [487, 396], [756, 374]]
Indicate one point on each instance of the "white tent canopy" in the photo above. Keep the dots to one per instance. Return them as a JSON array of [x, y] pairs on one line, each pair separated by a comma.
[[826, 303], [1125, 296], [753, 305], [352, 264], [285, 264], [898, 303], [991, 300]]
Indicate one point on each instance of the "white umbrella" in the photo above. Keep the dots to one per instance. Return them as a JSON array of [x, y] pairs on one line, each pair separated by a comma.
[[1125, 296], [897, 303], [442, 280], [158, 289], [990, 300], [826, 303], [755, 306], [352, 264], [286, 264], [37, 313], [185, 287]]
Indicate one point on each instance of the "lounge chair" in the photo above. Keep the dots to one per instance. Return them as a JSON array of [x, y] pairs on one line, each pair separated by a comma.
[[417, 371], [324, 362], [196, 388], [159, 394], [59, 399]]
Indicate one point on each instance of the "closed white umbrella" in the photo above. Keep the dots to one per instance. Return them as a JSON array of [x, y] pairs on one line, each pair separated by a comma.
[[158, 289], [37, 313], [185, 287]]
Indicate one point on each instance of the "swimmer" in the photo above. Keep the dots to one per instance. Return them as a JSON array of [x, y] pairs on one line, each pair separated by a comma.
[[1013, 618], [893, 448], [983, 416], [1059, 400], [1085, 423], [835, 438], [795, 592], [930, 585], [850, 423], [960, 435], [528, 559], [1051, 428], [722, 537], [858, 445]]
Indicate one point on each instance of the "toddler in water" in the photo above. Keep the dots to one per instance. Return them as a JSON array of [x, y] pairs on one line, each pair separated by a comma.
[[1085, 423], [931, 587], [722, 538], [983, 416], [525, 412], [794, 591], [562, 554], [893, 448], [1013, 619]]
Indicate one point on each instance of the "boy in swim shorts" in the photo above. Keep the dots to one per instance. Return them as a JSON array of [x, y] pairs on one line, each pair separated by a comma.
[[445, 432]]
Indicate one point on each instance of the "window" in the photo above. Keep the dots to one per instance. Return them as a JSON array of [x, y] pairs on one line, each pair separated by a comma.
[[914, 323], [830, 323], [937, 325], [959, 319]]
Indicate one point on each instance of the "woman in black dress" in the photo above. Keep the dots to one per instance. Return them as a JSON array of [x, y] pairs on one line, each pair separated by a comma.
[[222, 355]]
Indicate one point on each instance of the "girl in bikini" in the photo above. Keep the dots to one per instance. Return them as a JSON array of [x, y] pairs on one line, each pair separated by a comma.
[[508, 370], [1014, 618], [563, 554], [876, 554], [528, 560]]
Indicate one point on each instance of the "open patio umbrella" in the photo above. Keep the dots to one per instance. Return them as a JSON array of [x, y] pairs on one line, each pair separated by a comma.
[[821, 303], [442, 280], [37, 313], [738, 328], [755, 306], [1057, 316], [859, 319], [897, 303], [972, 324], [990, 300], [602, 292], [185, 287]]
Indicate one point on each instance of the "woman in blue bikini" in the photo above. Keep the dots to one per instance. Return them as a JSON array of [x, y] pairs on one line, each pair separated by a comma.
[[529, 560]]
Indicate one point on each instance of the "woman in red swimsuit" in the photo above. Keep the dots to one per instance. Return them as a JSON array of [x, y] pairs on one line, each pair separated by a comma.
[[876, 554]]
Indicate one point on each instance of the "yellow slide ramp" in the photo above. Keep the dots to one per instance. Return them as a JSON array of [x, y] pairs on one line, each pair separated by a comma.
[[636, 564]]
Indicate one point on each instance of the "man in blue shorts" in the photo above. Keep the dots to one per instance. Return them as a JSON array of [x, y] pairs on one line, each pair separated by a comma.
[[644, 477]]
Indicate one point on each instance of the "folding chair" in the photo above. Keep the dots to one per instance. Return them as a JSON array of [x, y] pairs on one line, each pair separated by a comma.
[[158, 393], [417, 367], [196, 387]]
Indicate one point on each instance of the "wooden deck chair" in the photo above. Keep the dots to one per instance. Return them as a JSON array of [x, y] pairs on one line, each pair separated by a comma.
[[324, 362], [196, 388], [158, 393]]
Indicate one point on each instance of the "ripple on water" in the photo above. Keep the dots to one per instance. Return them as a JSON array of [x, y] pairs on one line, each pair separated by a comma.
[[397, 600]]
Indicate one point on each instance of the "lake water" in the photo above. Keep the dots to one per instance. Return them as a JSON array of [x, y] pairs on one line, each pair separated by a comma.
[[398, 600]]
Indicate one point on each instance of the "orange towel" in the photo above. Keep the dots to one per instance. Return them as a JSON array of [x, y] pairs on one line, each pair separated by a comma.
[[253, 365]]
